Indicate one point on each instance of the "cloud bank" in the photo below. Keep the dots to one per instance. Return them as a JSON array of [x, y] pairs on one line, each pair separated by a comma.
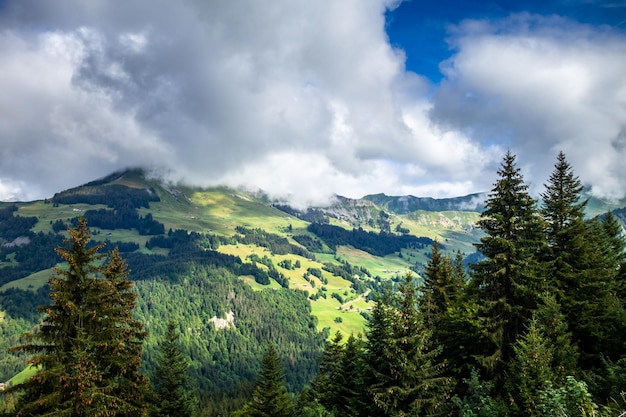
[[301, 99]]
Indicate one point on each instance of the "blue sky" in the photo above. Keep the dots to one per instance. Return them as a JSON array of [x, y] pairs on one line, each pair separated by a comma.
[[305, 99], [420, 27]]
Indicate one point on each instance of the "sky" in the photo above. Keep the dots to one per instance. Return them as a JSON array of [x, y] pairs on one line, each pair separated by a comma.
[[307, 99]]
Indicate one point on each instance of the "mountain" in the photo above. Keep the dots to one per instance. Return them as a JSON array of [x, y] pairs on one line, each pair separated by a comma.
[[409, 203], [233, 269]]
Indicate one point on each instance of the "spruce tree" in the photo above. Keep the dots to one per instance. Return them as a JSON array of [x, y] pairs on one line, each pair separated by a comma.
[[88, 347], [407, 379], [616, 246], [562, 207], [550, 321], [173, 392], [444, 282], [270, 397], [507, 283], [531, 372], [584, 262], [352, 394], [325, 386], [439, 289], [339, 386]]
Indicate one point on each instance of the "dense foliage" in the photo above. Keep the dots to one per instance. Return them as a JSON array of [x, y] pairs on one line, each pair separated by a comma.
[[113, 195], [535, 327], [88, 347], [379, 244]]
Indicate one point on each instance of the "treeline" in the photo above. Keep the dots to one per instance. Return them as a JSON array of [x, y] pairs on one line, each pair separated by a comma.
[[378, 244], [114, 196], [35, 254], [97, 359], [11, 226], [122, 218], [538, 328], [278, 245]]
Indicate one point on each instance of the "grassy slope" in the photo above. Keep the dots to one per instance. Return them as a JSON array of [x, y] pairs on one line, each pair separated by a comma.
[[220, 210], [31, 282]]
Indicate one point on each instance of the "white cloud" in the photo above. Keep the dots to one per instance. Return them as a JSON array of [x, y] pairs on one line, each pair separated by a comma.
[[242, 92], [298, 97], [541, 85]]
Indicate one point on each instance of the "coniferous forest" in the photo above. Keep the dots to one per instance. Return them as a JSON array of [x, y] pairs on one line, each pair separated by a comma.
[[536, 327]]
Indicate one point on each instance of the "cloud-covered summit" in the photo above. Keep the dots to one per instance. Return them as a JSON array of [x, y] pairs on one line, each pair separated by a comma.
[[299, 98]]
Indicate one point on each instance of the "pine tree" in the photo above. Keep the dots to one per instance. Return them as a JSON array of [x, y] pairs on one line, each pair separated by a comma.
[[506, 285], [88, 346], [270, 397], [173, 392]]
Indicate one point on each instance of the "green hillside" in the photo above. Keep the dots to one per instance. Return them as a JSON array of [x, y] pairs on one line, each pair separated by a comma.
[[205, 256]]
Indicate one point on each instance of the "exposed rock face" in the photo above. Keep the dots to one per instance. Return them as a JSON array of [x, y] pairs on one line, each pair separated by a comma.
[[223, 323]]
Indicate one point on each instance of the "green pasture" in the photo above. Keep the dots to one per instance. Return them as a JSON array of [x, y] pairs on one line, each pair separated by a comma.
[[22, 376], [225, 209], [31, 282], [327, 311], [387, 267]]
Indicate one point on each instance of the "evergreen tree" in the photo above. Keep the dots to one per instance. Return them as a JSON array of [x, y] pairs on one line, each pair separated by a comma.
[[584, 262], [352, 393], [378, 355], [407, 379], [325, 386], [444, 281], [562, 210], [270, 397], [506, 285], [616, 245], [88, 347], [173, 393], [550, 321], [531, 372], [440, 288], [591, 304]]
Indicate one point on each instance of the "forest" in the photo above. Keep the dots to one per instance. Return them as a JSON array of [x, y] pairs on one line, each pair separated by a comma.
[[535, 327]]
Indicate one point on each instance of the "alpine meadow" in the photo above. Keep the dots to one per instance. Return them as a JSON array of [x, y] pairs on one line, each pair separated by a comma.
[[130, 296]]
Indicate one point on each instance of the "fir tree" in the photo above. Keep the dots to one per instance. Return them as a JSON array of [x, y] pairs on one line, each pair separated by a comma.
[[408, 379], [270, 397], [562, 207], [325, 386], [506, 285], [439, 288], [173, 392], [531, 372], [550, 321], [88, 347], [584, 263]]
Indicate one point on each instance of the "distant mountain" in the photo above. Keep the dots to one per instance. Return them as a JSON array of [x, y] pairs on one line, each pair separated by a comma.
[[408, 204]]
